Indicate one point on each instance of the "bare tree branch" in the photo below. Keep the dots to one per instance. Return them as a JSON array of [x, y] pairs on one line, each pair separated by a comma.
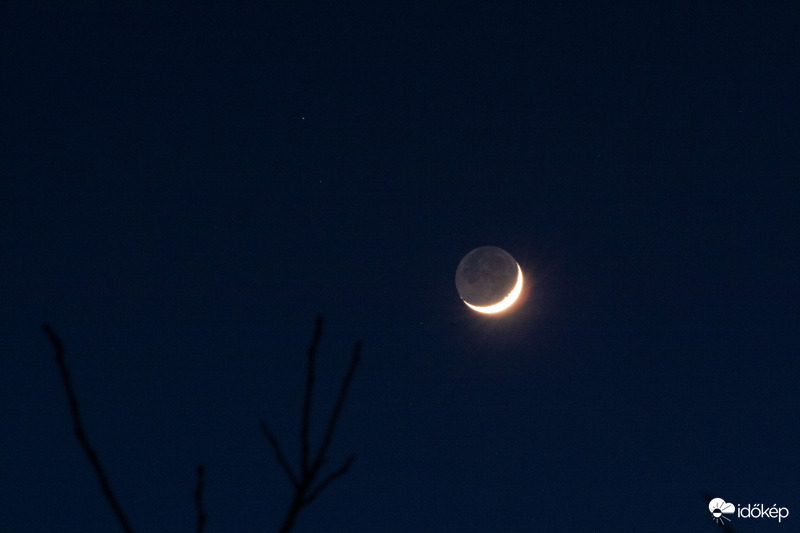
[[306, 484], [279, 454], [327, 481], [198, 500], [80, 434], [337, 409]]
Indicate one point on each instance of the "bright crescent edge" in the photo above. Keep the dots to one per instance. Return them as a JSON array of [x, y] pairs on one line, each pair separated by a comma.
[[506, 302]]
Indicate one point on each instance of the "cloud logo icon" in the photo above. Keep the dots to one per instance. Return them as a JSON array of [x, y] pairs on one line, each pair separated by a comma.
[[719, 507]]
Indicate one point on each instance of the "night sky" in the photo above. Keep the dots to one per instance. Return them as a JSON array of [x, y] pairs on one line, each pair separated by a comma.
[[184, 189]]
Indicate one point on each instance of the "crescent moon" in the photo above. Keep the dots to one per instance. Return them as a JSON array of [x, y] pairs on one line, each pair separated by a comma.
[[506, 302]]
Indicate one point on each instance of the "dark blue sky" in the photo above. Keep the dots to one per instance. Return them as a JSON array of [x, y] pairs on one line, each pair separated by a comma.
[[182, 190]]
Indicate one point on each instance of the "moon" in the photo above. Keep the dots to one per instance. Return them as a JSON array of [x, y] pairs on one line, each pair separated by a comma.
[[488, 279]]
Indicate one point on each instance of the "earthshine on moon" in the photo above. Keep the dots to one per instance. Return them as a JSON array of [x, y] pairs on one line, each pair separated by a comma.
[[488, 279]]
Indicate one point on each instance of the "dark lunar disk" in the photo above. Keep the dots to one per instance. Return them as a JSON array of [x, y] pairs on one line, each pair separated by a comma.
[[486, 275]]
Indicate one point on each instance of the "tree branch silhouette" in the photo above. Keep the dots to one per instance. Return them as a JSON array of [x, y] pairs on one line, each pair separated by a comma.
[[305, 483], [58, 348]]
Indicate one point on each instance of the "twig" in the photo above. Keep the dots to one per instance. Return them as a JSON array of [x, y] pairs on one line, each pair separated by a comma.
[[327, 481], [58, 348], [198, 500], [337, 409], [305, 483], [279, 454]]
